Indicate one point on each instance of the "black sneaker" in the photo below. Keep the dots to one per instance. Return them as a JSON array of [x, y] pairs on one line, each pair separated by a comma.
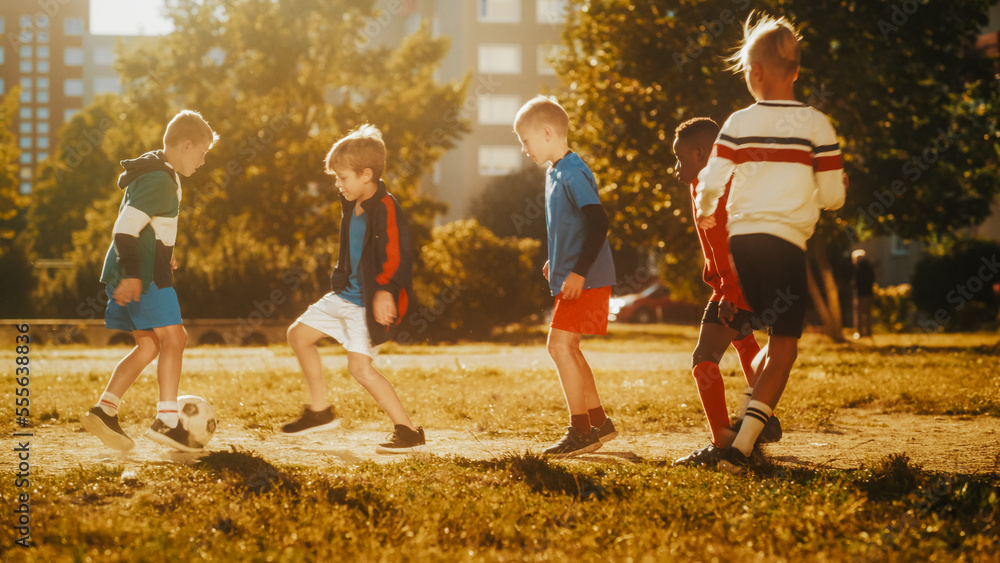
[[606, 432], [402, 440], [770, 434], [106, 427], [312, 421], [176, 437], [733, 461], [701, 457], [574, 443]]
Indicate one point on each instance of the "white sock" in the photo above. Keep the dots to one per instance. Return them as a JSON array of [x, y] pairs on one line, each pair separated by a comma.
[[753, 423], [109, 404], [167, 412]]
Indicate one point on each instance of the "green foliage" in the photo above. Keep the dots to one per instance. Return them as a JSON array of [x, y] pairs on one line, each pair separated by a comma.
[[474, 281], [955, 287], [513, 205], [15, 263], [893, 308], [914, 121], [280, 82]]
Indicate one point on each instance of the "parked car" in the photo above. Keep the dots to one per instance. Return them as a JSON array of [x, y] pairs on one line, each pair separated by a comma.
[[652, 305]]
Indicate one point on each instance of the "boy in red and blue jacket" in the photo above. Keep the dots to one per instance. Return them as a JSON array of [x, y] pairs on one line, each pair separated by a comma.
[[370, 290]]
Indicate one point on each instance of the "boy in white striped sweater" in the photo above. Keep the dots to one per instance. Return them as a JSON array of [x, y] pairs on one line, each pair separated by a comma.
[[784, 160]]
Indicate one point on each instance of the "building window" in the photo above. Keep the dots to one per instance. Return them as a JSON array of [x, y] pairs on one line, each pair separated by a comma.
[[42, 142], [74, 56], [2, 55], [41, 156], [25, 158], [25, 96], [26, 66], [499, 160], [104, 56], [26, 22], [73, 87], [25, 173], [41, 20], [25, 188], [43, 97], [43, 36], [43, 113], [74, 26], [3, 24], [42, 127], [43, 67], [1, 87], [500, 59], [24, 142], [900, 247], [25, 113], [26, 36], [42, 83], [42, 51], [67, 114], [498, 109], [107, 84], [545, 54], [551, 12], [25, 127], [25, 51], [25, 83], [500, 11]]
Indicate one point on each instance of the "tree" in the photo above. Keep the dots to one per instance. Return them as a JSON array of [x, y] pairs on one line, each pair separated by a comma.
[[280, 82], [17, 280], [911, 99], [513, 205]]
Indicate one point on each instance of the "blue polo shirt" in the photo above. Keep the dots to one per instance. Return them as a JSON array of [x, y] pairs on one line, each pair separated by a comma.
[[569, 185], [353, 291]]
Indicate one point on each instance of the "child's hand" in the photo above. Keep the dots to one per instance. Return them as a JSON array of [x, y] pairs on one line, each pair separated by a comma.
[[704, 222], [384, 308], [572, 287], [727, 310], [173, 262], [545, 270], [128, 290]]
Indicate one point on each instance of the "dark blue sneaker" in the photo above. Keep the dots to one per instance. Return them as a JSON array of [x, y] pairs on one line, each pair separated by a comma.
[[574, 443]]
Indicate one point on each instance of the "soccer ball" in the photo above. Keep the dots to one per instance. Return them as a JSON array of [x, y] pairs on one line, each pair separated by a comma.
[[198, 418]]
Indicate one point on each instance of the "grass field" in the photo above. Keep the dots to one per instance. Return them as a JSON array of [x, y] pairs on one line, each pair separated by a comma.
[[258, 503]]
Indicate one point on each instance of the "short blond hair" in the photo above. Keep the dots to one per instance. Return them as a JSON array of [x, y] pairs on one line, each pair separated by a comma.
[[771, 42], [361, 148], [189, 125], [541, 111]]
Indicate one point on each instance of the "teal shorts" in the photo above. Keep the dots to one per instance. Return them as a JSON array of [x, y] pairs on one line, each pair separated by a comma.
[[156, 308]]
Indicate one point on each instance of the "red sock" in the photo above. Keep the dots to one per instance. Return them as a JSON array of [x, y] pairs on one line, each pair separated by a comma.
[[713, 397], [747, 349], [597, 416], [581, 422]]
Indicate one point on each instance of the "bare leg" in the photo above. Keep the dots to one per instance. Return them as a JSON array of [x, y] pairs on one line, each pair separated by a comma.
[[781, 354], [575, 374], [172, 339], [147, 347], [303, 338], [360, 367]]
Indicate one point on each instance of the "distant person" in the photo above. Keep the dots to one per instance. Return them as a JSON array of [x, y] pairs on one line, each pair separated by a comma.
[[864, 292], [579, 269], [139, 281], [727, 318], [370, 291], [784, 160]]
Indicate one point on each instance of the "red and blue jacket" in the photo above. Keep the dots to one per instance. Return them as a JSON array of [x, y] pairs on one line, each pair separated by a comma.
[[386, 258]]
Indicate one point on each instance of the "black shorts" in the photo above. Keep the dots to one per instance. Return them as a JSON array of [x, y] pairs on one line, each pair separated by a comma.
[[772, 273], [742, 320]]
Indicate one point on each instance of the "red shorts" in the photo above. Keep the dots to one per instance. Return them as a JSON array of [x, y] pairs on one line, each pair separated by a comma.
[[587, 314]]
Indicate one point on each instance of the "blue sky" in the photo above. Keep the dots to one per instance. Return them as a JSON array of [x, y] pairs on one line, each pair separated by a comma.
[[128, 17]]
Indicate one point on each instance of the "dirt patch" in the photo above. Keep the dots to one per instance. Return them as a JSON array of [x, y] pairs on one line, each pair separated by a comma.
[[937, 443]]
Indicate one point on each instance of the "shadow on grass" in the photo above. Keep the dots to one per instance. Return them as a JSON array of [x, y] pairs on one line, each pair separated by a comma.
[[257, 474], [540, 475]]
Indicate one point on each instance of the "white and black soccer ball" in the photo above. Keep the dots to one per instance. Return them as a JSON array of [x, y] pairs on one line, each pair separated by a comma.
[[198, 418]]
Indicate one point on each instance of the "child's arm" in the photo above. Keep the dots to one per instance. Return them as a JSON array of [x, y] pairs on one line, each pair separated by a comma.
[[713, 178], [828, 169], [146, 202], [395, 262], [596, 224]]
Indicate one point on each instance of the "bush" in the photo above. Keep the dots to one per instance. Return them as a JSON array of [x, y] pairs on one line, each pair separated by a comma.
[[955, 287], [893, 308], [473, 281]]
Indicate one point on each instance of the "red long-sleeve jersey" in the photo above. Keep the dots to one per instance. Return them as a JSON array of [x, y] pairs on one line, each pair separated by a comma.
[[719, 272]]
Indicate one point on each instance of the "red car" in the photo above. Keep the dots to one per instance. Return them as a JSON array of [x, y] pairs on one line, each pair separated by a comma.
[[652, 305]]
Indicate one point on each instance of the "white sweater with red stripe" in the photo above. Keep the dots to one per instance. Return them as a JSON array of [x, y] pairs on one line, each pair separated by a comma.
[[784, 159]]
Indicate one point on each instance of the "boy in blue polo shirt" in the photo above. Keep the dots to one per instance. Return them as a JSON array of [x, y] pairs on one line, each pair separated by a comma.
[[137, 271], [580, 270]]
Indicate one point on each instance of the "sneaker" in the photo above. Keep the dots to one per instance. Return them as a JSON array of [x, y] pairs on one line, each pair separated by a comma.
[[733, 461], [770, 434], [606, 432], [402, 440], [106, 427], [574, 443], [176, 437], [701, 457], [312, 421]]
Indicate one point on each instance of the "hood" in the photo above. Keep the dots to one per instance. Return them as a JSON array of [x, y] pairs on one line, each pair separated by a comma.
[[152, 161]]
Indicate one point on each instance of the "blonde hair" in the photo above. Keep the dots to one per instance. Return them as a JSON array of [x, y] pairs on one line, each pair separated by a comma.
[[189, 125], [361, 148], [540, 111], [771, 42]]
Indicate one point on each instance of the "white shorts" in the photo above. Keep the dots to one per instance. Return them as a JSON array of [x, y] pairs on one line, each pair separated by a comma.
[[341, 320]]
